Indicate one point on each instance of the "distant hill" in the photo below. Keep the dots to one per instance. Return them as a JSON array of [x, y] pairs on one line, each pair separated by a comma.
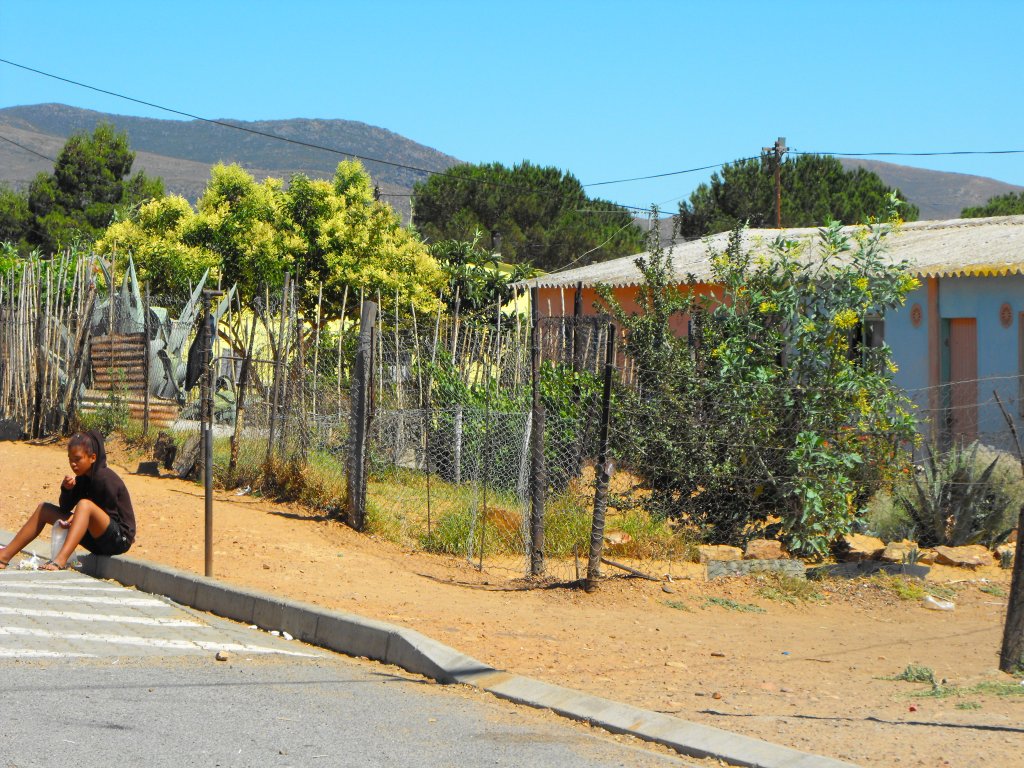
[[939, 194], [181, 151]]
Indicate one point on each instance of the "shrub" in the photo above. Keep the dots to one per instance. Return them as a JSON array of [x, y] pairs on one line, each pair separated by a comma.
[[112, 415], [956, 500], [776, 404]]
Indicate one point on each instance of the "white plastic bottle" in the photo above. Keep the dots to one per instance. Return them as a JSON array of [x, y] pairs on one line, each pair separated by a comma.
[[58, 536]]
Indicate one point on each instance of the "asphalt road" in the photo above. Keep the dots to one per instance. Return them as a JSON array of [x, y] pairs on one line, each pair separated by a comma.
[[92, 674]]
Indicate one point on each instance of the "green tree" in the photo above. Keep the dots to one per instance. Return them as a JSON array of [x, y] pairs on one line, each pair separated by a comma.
[[15, 218], [476, 281], [1010, 204], [541, 214], [329, 235], [816, 189], [89, 187], [766, 412]]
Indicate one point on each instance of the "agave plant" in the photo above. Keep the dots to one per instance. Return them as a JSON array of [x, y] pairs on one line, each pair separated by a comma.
[[951, 502]]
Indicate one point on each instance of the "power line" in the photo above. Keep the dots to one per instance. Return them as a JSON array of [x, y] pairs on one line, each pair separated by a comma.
[[267, 135], [221, 123], [946, 153], [669, 173], [30, 151]]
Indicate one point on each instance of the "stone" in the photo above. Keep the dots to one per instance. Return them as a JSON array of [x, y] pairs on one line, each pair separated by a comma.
[[617, 543], [765, 549], [718, 568], [10, 430], [897, 551], [667, 589], [1007, 551], [709, 552], [970, 556], [866, 568], [222, 656], [927, 557], [856, 547], [164, 450]]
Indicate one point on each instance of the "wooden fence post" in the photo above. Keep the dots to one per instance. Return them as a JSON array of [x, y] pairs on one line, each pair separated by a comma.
[[603, 470], [243, 383], [538, 469], [359, 417], [1011, 654], [278, 359]]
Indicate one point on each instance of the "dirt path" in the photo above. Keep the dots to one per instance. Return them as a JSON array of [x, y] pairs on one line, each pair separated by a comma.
[[807, 674]]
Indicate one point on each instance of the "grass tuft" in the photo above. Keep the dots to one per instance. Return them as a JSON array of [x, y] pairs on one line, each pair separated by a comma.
[[732, 605], [782, 587]]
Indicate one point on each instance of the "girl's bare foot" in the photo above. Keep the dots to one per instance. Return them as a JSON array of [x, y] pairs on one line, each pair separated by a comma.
[[50, 565]]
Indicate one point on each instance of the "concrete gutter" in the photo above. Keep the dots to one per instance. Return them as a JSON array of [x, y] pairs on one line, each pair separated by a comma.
[[412, 651]]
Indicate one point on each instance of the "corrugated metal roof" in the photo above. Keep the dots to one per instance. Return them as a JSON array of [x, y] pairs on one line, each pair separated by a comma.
[[956, 247]]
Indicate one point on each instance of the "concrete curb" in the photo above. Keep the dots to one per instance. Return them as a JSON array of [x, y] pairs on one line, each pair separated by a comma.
[[354, 635]]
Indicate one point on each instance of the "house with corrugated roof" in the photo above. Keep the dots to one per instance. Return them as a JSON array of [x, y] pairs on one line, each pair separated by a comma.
[[958, 340]]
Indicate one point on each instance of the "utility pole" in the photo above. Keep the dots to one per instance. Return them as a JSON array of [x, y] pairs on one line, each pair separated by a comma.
[[778, 151]]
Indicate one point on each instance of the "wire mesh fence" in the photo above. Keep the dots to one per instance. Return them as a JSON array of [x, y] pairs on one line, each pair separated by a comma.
[[455, 409]]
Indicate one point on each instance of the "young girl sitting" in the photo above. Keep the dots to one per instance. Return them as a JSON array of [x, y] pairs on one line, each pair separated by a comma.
[[94, 506]]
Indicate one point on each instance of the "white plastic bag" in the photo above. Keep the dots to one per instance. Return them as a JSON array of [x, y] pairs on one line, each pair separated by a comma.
[[935, 604]]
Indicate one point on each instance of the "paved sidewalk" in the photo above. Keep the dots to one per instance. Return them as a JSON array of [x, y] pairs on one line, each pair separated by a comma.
[[67, 615]]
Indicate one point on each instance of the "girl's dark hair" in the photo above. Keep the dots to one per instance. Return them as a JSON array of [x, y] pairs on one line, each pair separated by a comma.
[[84, 440]]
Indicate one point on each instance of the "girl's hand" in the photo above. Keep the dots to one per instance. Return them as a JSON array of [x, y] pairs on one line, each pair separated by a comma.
[[69, 482], [66, 523]]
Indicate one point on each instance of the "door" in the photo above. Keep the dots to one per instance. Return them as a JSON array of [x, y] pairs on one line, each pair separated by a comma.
[[962, 366]]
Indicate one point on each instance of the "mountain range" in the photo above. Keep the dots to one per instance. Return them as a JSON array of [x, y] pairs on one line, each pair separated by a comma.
[[182, 152]]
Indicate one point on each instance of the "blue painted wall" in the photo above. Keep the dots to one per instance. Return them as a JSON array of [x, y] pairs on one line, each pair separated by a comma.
[[966, 297]]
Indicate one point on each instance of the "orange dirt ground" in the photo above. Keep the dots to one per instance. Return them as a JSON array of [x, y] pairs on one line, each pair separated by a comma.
[[808, 674]]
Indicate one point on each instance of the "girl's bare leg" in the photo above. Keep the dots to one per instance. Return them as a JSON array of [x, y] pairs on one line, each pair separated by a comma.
[[85, 517], [45, 514]]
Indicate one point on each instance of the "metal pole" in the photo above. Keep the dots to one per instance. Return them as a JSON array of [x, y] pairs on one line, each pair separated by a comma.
[[207, 441], [206, 406], [145, 364]]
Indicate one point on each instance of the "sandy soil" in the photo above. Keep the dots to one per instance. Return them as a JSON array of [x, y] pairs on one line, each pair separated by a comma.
[[809, 675]]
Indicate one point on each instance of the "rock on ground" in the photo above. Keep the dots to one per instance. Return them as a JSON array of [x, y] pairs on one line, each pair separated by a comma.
[[765, 549], [708, 552], [970, 556]]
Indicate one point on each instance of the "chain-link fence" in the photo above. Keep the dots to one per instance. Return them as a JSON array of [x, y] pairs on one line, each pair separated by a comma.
[[449, 441]]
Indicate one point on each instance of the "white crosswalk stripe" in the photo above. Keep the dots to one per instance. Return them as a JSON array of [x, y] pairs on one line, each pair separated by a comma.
[[45, 588], [135, 602], [111, 617], [46, 615], [154, 642]]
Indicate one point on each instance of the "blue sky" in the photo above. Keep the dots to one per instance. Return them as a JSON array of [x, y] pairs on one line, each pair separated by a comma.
[[603, 89]]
